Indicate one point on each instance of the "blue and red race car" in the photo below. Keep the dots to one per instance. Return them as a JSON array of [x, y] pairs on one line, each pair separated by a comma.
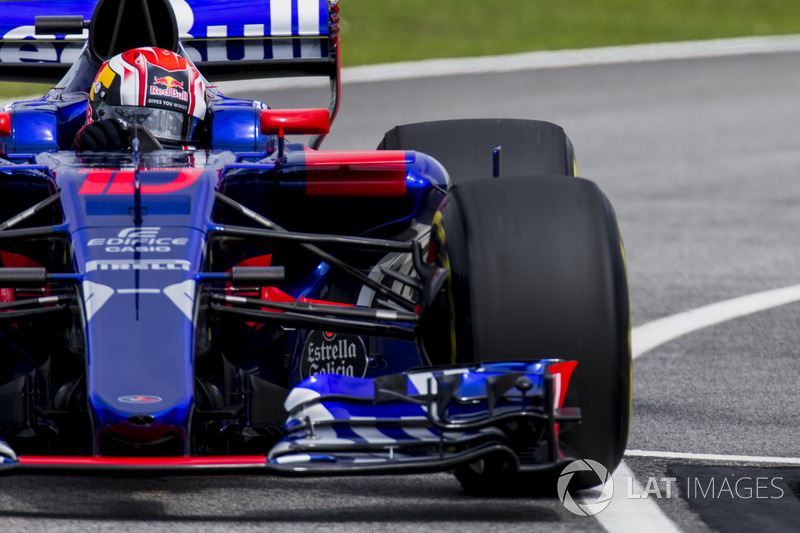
[[455, 300]]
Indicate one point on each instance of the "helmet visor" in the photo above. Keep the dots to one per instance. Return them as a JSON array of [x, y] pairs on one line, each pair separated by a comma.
[[165, 125]]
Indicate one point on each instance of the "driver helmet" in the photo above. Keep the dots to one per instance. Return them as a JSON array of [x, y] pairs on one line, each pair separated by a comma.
[[152, 87]]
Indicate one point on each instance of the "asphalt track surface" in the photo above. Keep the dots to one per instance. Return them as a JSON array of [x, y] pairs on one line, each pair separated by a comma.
[[701, 159]]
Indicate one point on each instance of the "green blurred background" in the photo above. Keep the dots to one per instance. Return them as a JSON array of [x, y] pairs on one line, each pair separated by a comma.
[[378, 31], [400, 30]]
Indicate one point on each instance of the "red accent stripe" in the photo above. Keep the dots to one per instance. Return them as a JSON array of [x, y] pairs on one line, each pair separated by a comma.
[[378, 173], [565, 369], [122, 183], [295, 121], [97, 181], [185, 178], [351, 158], [162, 462], [191, 90]]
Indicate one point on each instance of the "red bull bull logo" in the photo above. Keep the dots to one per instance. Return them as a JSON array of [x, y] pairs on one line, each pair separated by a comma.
[[168, 81], [168, 86]]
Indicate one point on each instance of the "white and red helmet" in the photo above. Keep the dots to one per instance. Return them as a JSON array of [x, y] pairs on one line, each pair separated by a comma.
[[154, 88]]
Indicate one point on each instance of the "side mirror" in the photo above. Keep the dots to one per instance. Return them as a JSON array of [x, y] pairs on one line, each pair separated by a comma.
[[295, 122], [5, 124]]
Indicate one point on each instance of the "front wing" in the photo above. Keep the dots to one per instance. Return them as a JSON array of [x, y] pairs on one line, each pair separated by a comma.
[[417, 421]]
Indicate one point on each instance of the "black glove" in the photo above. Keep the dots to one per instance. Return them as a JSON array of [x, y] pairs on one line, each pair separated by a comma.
[[103, 136]]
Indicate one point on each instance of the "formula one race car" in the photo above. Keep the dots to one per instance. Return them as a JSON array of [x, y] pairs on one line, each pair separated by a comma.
[[184, 286]]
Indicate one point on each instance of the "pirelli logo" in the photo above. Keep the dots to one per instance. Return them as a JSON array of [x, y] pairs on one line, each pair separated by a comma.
[[141, 264]]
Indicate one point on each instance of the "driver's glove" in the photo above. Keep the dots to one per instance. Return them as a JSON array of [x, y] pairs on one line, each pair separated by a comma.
[[109, 135]]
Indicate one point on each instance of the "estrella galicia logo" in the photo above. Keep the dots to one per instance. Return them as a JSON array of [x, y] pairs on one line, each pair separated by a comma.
[[582, 507], [334, 353]]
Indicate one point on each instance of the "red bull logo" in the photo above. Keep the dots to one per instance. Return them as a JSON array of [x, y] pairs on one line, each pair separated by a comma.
[[168, 86]]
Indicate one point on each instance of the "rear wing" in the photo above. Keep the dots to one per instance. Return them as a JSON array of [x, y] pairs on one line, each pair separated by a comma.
[[227, 39]]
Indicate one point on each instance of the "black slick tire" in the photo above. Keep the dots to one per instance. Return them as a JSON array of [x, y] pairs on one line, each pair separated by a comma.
[[538, 271]]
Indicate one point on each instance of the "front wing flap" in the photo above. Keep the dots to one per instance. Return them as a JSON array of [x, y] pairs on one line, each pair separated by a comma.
[[426, 420]]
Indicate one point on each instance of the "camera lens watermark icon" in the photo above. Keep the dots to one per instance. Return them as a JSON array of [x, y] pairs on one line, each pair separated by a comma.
[[592, 502]]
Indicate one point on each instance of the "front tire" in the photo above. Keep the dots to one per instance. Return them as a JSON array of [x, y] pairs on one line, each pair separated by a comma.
[[464, 147], [538, 271]]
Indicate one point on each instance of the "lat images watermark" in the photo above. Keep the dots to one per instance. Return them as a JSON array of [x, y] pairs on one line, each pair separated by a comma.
[[585, 504], [709, 487]]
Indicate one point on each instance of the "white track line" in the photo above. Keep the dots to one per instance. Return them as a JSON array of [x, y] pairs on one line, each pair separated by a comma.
[[631, 515], [534, 61], [656, 333], [705, 457], [573, 58], [625, 515]]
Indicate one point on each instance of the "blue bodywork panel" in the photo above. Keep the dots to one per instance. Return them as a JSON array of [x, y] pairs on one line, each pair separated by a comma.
[[139, 280]]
